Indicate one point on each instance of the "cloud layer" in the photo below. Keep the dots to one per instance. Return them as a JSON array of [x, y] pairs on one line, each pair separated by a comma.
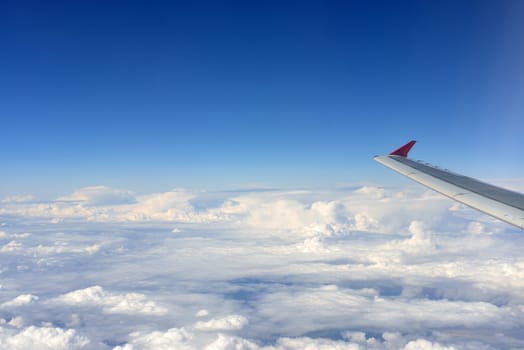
[[359, 268]]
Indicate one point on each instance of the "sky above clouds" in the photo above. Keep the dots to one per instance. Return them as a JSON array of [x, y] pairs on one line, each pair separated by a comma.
[[156, 95], [199, 175]]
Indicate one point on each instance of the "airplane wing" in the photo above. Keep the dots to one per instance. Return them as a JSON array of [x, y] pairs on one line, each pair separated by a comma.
[[498, 202]]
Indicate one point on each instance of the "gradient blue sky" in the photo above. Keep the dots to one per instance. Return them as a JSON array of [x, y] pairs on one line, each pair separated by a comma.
[[151, 95]]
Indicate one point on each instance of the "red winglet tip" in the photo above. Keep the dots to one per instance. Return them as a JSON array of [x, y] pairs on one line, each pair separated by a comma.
[[404, 150]]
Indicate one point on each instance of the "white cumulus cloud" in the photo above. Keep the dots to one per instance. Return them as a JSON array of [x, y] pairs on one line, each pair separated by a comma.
[[41, 338], [21, 300], [172, 339], [126, 303], [231, 322]]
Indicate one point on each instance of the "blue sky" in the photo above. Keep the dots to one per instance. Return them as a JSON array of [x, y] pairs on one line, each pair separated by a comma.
[[155, 95]]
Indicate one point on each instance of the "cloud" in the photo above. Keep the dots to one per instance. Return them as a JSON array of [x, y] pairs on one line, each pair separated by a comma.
[[313, 245], [422, 344], [231, 322], [303, 212], [112, 303], [370, 192], [170, 340], [11, 247], [175, 338], [16, 322], [367, 309], [64, 248], [100, 196], [230, 342], [359, 268], [39, 250], [21, 300], [168, 206], [103, 204], [476, 227], [202, 313], [18, 199], [41, 338]]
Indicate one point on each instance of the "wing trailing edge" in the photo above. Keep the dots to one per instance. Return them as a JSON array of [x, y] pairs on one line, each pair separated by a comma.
[[498, 202]]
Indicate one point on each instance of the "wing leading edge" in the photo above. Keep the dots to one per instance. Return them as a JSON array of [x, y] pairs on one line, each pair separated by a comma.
[[498, 202]]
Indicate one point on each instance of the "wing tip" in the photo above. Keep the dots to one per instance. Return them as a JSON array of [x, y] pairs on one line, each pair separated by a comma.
[[404, 150]]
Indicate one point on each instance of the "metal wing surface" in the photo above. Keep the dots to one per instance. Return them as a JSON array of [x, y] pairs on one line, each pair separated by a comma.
[[498, 202]]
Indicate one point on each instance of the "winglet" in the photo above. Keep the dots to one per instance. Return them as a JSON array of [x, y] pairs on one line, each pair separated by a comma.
[[404, 150]]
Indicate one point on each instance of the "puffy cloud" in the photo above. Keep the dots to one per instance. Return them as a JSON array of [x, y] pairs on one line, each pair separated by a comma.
[[102, 204], [313, 245], [422, 344], [231, 322], [420, 244], [225, 342], [21, 300], [127, 303], [279, 214], [202, 313], [180, 338], [41, 338], [168, 206], [366, 209], [172, 339], [17, 322]]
